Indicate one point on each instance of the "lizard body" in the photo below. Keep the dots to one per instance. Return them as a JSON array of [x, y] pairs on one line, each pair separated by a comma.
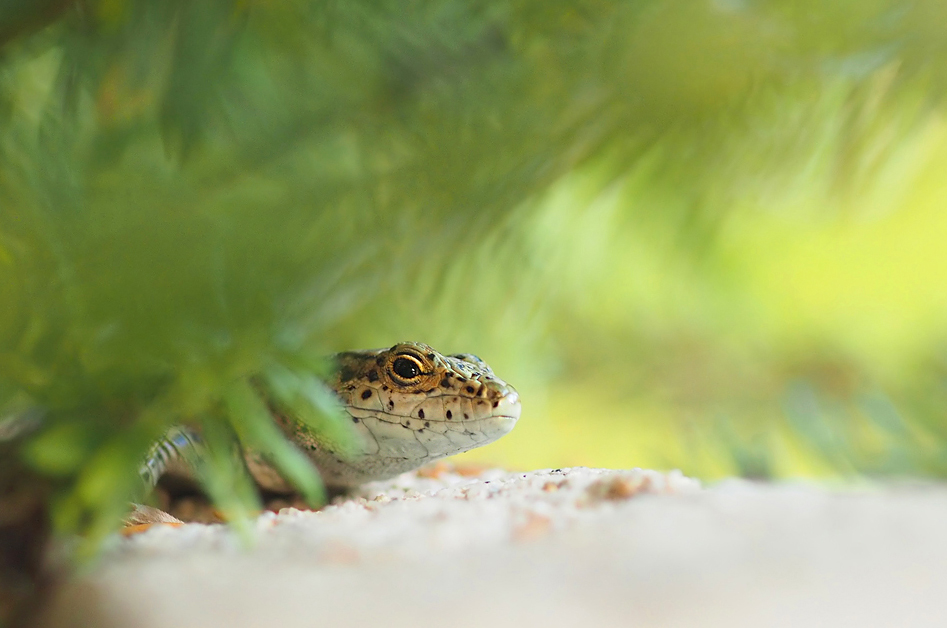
[[409, 405]]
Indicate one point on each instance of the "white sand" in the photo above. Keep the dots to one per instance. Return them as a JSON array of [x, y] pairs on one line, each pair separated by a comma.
[[576, 547]]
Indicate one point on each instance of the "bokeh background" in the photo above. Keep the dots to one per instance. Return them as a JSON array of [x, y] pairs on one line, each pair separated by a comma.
[[695, 234]]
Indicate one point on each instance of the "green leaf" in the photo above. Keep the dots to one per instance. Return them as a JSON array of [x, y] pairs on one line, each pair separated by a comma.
[[257, 431], [226, 480], [60, 450], [307, 399], [107, 484]]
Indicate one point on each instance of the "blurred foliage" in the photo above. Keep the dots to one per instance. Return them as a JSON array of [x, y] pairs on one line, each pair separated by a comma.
[[694, 233]]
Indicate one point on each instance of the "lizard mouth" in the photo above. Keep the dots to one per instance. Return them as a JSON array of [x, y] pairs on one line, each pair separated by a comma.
[[432, 438], [508, 407], [494, 427]]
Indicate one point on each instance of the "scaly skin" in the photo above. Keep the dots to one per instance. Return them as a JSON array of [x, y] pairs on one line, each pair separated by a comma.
[[409, 404]]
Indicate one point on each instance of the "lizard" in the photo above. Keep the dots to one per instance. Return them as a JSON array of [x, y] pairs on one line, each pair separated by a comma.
[[409, 405]]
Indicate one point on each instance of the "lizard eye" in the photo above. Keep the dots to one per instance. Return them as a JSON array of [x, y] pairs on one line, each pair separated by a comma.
[[406, 367]]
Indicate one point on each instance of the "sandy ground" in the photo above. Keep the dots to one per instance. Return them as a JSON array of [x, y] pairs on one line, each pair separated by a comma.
[[569, 547]]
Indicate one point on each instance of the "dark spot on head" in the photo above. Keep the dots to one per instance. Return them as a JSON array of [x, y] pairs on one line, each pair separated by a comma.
[[354, 419], [450, 414], [430, 356], [380, 361], [480, 403], [466, 416], [469, 389], [445, 383], [496, 403], [420, 414], [449, 374], [427, 424], [461, 379], [384, 387], [346, 373], [391, 404], [366, 394], [373, 375]]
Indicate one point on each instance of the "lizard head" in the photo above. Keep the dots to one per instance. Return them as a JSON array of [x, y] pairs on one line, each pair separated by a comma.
[[413, 405]]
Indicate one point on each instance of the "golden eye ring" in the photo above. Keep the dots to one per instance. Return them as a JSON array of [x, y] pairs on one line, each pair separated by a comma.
[[406, 368]]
